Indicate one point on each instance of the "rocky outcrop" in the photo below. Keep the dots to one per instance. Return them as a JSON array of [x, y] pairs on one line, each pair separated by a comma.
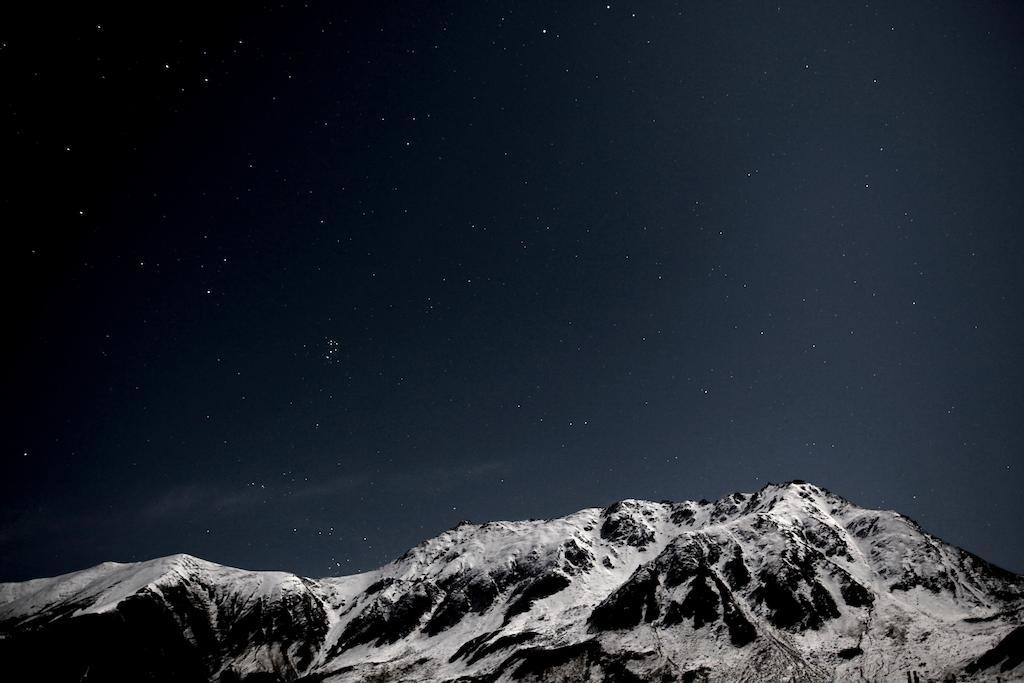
[[750, 587]]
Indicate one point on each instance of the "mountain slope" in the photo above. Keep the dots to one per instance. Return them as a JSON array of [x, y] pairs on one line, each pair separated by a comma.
[[788, 583]]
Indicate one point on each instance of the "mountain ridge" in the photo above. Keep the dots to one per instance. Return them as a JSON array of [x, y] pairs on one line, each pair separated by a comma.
[[791, 582]]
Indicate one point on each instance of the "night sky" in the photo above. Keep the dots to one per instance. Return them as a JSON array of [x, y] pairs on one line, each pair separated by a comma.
[[298, 286]]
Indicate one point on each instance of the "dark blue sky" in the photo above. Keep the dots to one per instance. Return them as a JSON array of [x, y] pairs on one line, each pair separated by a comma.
[[299, 286]]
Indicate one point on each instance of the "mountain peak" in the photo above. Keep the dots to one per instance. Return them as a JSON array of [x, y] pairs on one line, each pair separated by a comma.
[[788, 577]]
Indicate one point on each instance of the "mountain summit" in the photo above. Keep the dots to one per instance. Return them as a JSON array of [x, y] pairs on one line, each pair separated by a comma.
[[791, 583]]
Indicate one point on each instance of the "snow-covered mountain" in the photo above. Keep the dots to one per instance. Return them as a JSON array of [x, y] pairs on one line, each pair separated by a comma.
[[790, 583]]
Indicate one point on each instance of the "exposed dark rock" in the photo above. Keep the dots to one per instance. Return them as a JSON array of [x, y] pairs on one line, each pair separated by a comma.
[[854, 594], [824, 604], [1005, 584], [682, 515], [990, 617], [678, 563], [295, 619], [469, 592], [620, 526], [378, 586], [700, 603], [452, 609], [936, 583], [827, 540], [698, 675], [725, 508], [502, 643], [850, 652], [541, 587], [464, 594], [578, 560], [516, 571], [684, 559], [615, 671], [538, 661], [387, 621], [564, 664], [863, 526], [47, 616], [631, 603], [784, 607], [736, 572], [673, 614], [787, 608], [741, 631], [1007, 654], [471, 645]]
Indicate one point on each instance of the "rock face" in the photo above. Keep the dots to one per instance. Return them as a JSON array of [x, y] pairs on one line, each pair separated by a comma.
[[790, 583]]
